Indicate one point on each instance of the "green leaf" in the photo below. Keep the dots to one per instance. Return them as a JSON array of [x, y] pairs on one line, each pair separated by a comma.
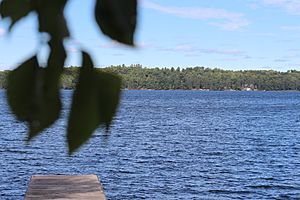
[[15, 10], [33, 96], [117, 19], [51, 18], [95, 101], [50, 104], [109, 88], [20, 90], [50, 14], [56, 58], [84, 118]]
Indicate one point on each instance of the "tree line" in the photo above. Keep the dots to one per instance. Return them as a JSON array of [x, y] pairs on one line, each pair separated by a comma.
[[197, 78]]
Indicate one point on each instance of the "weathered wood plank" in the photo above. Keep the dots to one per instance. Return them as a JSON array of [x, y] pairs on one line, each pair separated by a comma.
[[61, 187]]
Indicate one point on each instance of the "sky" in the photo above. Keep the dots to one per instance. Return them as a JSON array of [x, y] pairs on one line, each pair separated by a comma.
[[226, 34]]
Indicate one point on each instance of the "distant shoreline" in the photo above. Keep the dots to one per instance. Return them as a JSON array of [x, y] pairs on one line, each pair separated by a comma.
[[137, 77], [212, 90], [69, 89], [133, 89]]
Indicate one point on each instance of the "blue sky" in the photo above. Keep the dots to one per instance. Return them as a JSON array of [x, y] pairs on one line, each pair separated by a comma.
[[227, 34]]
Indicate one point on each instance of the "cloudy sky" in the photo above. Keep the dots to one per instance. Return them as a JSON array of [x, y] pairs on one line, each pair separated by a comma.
[[227, 34]]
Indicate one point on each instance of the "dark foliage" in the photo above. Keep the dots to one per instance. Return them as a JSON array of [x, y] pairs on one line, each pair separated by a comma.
[[33, 91], [137, 77]]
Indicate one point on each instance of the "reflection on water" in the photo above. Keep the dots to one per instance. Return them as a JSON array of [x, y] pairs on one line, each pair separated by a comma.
[[171, 145]]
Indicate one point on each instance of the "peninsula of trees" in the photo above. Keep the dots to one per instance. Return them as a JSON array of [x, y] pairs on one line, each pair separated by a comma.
[[197, 78]]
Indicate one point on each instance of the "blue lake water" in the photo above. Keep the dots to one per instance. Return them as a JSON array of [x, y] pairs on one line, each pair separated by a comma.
[[171, 145]]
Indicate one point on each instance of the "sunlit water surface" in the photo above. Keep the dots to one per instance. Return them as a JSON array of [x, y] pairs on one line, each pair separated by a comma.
[[171, 145]]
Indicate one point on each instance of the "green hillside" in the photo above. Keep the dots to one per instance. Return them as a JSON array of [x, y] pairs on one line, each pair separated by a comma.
[[138, 77]]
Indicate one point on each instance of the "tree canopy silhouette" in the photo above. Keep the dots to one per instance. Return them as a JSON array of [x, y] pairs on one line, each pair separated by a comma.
[[33, 91]]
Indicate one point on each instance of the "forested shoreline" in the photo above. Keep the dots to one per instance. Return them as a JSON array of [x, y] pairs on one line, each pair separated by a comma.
[[196, 78]]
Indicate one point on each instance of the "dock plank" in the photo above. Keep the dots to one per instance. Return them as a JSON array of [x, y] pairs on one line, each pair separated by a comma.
[[62, 187]]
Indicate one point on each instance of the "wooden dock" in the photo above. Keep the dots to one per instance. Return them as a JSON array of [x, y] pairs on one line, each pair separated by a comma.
[[65, 187]]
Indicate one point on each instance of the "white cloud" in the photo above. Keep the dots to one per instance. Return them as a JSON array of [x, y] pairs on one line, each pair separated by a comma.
[[291, 6], [184, 47], [291, 28], [190, 50], [110, 45], [229, 60], [2, 32], [265, 34], [118, 54], [116, 45], [142, 45], [281, 60], [72, 49], [73, 45], [216, 17], [253, 6], [294, 50], [233, 52]]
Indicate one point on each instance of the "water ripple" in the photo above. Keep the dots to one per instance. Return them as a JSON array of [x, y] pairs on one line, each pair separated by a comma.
[[171, 145]]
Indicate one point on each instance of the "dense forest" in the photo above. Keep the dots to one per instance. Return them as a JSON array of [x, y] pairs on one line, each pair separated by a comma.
[[197, 78]]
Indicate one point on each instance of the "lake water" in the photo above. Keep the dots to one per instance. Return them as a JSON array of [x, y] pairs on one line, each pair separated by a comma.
[[171, 145]]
